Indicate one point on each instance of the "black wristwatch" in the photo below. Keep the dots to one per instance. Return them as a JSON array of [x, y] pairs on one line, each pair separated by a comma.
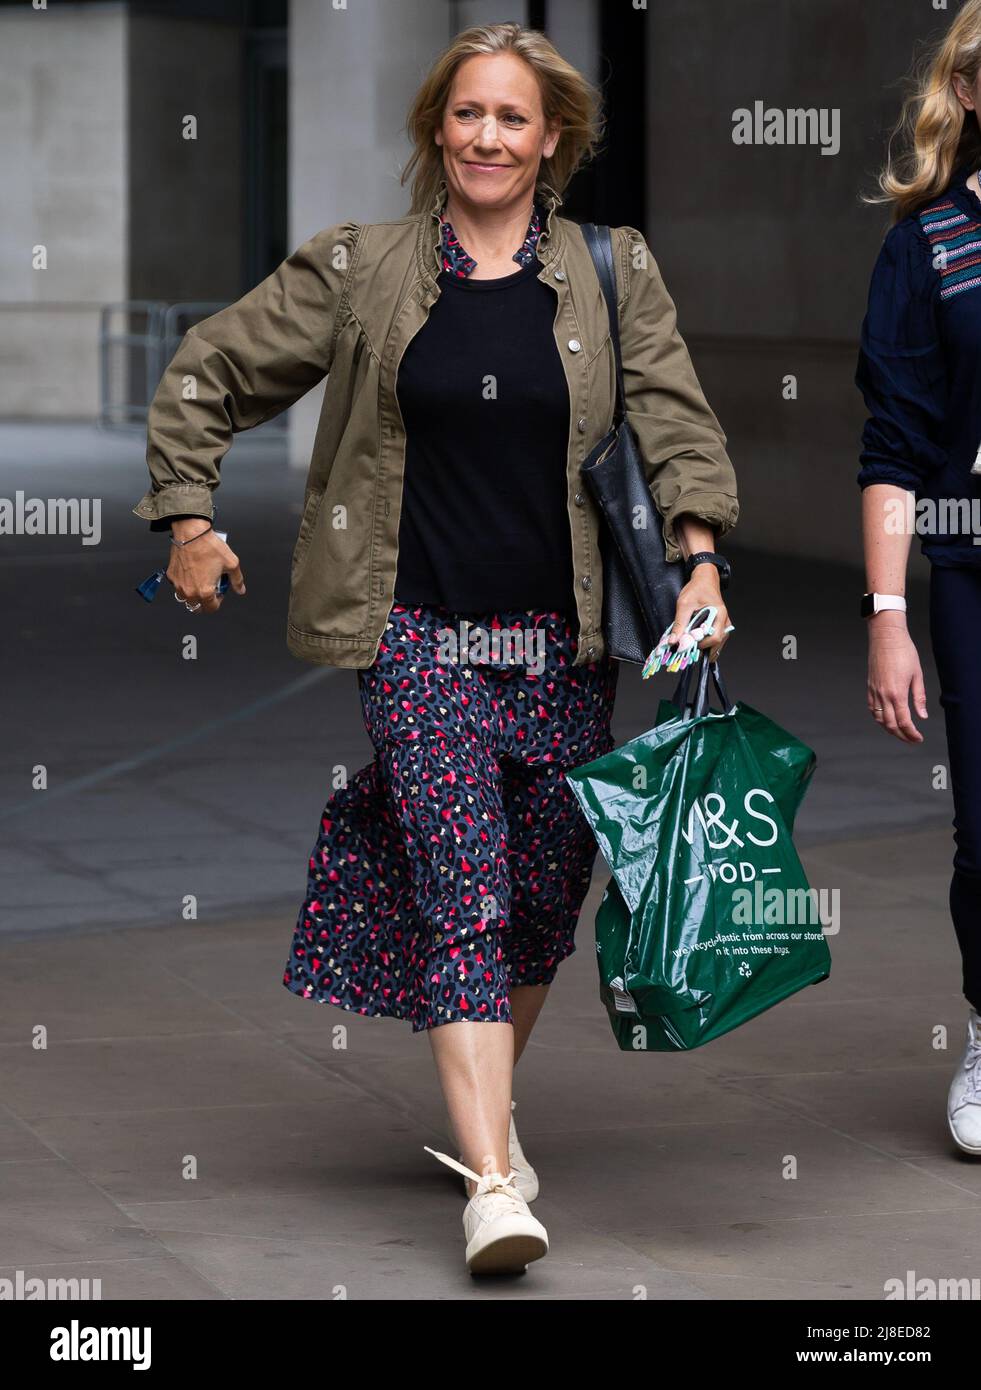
[[709, 557]]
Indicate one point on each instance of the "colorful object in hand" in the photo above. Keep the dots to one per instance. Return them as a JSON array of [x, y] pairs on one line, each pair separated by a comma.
[[668, 657]]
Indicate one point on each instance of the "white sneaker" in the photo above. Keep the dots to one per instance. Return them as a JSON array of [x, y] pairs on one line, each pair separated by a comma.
[[964, 1097], [523, 1175], [502, 1235]]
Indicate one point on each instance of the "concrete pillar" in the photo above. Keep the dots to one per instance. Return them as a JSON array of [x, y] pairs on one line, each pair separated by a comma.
[[573, 27], [353, 71], [63, 149]]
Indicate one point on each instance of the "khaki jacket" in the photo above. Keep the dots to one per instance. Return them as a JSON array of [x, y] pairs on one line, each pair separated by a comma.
[[345, 305]]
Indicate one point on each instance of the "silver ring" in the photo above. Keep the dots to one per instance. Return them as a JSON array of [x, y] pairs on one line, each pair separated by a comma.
[[877, 709]]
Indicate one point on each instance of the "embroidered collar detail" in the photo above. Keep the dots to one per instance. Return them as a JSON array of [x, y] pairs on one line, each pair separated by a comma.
[[459, 263], [953, 222]]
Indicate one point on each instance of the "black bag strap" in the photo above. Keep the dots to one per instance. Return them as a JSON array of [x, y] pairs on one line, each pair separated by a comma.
[[599, 243], [697, 705]]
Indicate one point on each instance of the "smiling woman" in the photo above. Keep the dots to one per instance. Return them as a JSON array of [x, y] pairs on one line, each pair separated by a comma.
[[494, 137], [470, 372]]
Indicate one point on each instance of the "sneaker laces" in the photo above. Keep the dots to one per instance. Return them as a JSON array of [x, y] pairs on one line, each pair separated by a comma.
[[486, 1183]]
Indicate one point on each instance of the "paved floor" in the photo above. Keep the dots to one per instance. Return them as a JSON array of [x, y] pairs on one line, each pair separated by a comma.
[[192, 1130], [176, 1045]]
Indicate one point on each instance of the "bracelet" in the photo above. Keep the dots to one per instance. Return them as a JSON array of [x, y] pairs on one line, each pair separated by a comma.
[[211, 527]]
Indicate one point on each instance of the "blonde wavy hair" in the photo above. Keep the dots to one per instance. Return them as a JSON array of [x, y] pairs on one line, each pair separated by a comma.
[[567, 97], [936, 130]]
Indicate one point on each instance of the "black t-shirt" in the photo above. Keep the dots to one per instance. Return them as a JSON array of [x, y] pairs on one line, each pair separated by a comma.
[[484, 523]]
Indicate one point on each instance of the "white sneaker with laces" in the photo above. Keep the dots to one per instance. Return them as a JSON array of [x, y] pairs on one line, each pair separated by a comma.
[[522, 1173], [964, 1097], [502, 1235]]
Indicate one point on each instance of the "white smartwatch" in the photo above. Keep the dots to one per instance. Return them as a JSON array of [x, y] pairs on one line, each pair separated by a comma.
[[880, 603]]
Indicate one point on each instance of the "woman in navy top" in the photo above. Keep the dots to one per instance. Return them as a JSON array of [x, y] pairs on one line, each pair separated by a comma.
[[919, 370]]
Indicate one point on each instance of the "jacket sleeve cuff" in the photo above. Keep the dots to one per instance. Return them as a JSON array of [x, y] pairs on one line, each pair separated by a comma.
[[718, 509], [175, 499]]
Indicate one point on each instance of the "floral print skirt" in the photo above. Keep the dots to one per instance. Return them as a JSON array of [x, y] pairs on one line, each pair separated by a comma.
[[453, 866]]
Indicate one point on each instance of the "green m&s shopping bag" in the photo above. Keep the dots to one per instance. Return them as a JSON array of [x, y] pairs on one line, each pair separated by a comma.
[[708, 919]]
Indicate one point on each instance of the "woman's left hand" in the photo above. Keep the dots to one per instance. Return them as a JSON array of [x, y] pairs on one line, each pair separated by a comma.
[[702, 589]]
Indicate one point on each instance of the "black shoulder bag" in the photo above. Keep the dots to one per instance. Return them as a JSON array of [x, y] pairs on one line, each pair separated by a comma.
[[640, 586]]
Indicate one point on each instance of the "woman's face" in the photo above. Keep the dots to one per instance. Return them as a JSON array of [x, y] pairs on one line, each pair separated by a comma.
[[493, 134]]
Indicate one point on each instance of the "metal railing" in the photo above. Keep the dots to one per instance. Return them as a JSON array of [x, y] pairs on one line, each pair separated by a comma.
[[130, 360], [137, 340]]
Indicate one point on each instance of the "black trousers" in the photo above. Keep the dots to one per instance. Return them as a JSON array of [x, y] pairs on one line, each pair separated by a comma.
[[955, 633]]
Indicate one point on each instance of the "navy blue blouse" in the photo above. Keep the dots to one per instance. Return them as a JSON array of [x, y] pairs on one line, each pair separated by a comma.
[[919, 369]]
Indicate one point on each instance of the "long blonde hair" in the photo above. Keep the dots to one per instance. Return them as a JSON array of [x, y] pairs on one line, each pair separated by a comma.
[[938, 133], [567, 97]]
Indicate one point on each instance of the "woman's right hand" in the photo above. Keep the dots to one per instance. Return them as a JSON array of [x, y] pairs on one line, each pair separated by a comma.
[[195, 570], [894, 674]]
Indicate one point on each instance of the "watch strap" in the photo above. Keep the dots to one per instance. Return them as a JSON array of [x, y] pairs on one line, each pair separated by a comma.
[[708, 557], [881, 603]]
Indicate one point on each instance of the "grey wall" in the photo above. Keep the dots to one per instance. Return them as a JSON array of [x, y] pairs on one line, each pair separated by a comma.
[[185, 196], [95, 169], [63, 143], [573, 26], [766, 248]]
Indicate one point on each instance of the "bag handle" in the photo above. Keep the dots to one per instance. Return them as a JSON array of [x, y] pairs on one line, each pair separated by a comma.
[[599, 243], [697, 706]]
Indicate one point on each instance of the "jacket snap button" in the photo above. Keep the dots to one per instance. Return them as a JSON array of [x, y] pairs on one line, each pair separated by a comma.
[[574, 345], [560, 275], [579, 499], [581, 423], [587, 583], [590, 652]]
